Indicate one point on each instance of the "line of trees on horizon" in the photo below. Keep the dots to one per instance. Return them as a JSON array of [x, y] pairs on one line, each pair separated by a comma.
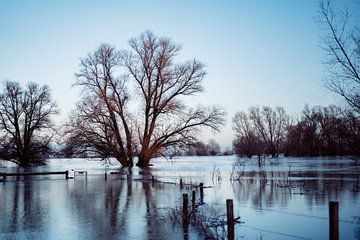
[[318, 131]]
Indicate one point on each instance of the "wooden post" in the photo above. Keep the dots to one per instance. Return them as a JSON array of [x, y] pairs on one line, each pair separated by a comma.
[[230, 218], [181, 183], [193, 198], [201, 192], [66, 174], [333, 220], [105, 176], [185, 210], [152, 179]]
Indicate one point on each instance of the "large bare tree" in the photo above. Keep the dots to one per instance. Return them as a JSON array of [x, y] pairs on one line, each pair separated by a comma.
[[341, 44], [101, 122], [165, 121], [25, 121], [159, 119]]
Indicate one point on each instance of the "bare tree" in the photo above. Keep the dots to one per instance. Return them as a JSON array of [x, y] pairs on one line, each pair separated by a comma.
[[311, 131], [342, 48], [329, 119], [162, 120], [213, 147], [247, 142], [271, 126], [351, 135], [101, 122], [161, 83], [242, 125], [25, 120]]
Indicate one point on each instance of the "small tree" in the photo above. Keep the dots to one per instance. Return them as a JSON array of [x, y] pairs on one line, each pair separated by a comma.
[[247, 142], [25, 122], [213, 147], [271, 126]]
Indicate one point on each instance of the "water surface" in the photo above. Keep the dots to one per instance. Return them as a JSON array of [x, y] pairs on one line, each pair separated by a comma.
[[285, 199]]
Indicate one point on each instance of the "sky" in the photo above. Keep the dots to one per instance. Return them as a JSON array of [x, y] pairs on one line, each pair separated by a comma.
[[255, 52]]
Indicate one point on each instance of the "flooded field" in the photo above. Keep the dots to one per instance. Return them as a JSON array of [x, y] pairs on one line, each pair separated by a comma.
[[283, 199]]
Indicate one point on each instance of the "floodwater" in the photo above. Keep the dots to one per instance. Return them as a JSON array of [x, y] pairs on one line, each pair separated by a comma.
[[284, 199]]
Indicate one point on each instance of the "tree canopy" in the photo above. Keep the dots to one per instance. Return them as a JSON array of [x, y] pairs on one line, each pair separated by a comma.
[[132, 101], [341, 44], [25, 122]]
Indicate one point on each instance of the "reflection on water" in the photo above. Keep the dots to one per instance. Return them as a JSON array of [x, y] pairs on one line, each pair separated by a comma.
[[86, 209], [275, 188], [276, 202]]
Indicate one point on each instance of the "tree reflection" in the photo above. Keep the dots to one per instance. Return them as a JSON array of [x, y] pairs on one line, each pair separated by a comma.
[[23, 209], [264, 189], [123, 207], [130, 205]]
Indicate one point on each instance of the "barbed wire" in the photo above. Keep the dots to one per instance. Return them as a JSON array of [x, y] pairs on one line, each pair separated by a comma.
[[294, 214], [276, 232]]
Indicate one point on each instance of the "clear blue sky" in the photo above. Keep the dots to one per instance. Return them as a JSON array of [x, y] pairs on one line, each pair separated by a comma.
[[256, 52]]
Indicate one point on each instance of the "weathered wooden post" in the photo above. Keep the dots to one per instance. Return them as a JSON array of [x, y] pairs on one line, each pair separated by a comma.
[[230, 218], [201, 192], [193, 200], [181, 183], [333, 220], [185, 210]]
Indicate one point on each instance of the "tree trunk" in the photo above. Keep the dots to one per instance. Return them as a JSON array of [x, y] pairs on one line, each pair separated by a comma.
[[131, 162], [24, 161], [143, 160], [124, 161]]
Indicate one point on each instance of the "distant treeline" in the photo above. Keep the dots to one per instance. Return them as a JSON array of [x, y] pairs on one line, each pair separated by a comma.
[[212, 148], [318, 131]]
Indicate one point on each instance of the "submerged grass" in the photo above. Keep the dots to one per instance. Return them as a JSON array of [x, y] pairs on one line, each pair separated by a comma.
[[205, 219]]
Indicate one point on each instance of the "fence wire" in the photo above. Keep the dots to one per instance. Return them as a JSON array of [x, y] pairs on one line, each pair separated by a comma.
[[294, 214], [288, 235]]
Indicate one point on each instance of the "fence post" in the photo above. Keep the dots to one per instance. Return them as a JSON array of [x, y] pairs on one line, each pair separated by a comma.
[[67, 174], [230, 218], [193, 200], [105, 176], [201, 192], [181, 183], [4, 176], [185, 210], [333, 220], [152, 179]]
